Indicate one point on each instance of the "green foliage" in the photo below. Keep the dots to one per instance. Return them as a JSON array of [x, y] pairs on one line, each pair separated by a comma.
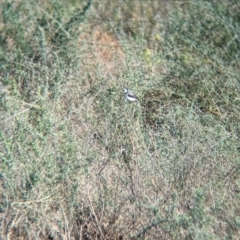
[[78, 161]]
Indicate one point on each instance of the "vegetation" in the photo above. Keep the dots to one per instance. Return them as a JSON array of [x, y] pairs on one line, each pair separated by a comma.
[[77, 161]]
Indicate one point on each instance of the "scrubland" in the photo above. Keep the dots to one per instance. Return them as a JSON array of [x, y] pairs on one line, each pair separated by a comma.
[[77, 161]]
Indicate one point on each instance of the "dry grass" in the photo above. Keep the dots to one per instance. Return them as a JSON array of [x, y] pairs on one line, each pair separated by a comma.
[[79, 162]]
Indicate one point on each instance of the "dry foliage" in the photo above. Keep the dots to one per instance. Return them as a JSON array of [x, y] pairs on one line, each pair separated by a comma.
[[80, 162]]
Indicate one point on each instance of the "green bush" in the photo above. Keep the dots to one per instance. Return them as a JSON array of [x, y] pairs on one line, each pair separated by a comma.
[[78, 161]]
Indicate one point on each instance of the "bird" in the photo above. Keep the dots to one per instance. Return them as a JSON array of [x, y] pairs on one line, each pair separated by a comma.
[[129, 95]]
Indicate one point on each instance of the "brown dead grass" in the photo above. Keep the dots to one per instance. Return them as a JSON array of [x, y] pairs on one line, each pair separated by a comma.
[[101, 52]]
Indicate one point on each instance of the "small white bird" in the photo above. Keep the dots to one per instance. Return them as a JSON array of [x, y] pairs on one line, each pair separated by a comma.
[[129, 95]]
